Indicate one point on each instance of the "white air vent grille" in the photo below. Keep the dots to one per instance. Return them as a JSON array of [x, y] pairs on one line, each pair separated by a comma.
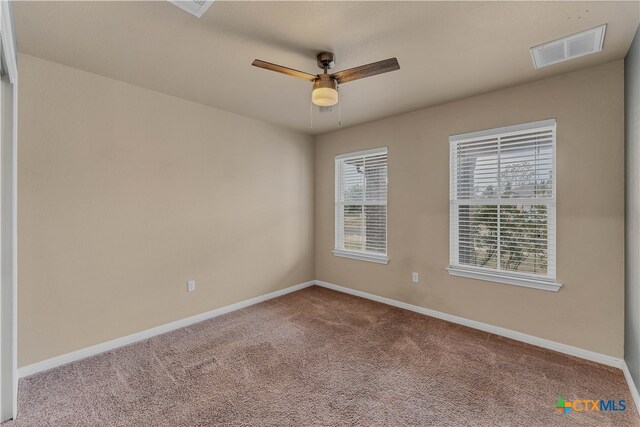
[[194, 7], [570, 47]]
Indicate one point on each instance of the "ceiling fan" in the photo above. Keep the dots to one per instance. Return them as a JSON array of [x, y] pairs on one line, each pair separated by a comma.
[[325, 86]]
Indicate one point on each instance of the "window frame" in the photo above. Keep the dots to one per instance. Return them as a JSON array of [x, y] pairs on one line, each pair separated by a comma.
[[375, 257], [547, 282]]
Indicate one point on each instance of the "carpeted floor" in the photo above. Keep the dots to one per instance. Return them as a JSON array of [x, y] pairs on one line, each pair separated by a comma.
[[319, 357]]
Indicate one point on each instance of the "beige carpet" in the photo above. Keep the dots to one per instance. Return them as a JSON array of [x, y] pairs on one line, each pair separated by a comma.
[[319, 357]]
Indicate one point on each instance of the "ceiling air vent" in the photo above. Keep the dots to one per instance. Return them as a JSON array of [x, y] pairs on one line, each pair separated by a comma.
[[194, 7], [570, 47]]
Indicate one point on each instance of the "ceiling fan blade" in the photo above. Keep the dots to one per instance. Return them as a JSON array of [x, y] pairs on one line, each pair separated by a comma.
[[283, 70], [368, 70]]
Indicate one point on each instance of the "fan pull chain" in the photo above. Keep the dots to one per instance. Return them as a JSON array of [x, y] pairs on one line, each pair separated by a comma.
[[311, 115]]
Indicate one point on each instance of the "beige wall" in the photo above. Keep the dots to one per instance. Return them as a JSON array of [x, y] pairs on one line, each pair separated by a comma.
[[125, 194], [588, 311]]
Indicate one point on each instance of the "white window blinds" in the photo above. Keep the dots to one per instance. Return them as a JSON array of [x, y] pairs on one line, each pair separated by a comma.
[[502, 195], [361, 205]]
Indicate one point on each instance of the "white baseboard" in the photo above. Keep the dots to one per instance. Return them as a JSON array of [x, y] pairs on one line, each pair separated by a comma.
[[632, 386], [518, 336], [54, 362]]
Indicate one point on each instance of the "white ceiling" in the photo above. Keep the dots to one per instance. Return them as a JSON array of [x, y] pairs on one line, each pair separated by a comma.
[[446, 50]]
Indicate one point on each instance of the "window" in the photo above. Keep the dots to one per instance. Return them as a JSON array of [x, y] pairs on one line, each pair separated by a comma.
[[361, 205], [502, 197]]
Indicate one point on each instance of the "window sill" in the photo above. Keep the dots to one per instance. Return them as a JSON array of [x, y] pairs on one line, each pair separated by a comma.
[[379, 259], [526, 282]]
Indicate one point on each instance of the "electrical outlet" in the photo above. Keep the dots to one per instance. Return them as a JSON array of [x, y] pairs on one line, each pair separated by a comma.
[[191, 285], [415, 277]]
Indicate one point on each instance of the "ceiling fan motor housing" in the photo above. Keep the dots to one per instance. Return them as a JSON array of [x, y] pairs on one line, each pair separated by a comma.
[[325, 80]]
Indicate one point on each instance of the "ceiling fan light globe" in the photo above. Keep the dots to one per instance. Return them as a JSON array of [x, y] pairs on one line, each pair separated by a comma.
[[324, 96]]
